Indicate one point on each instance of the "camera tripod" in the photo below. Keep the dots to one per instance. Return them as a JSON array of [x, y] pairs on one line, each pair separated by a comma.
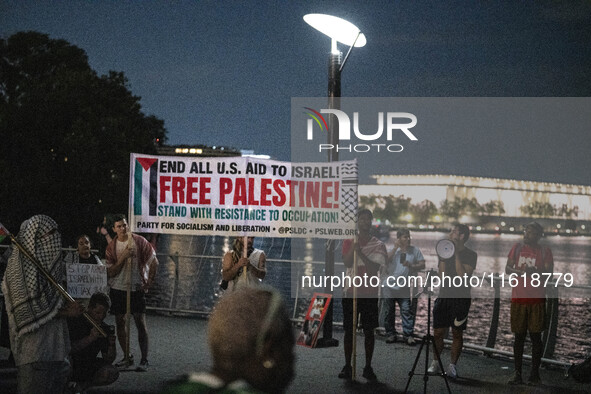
[[427, 340]]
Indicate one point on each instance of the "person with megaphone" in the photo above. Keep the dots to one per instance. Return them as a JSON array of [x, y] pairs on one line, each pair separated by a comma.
[[453, 303]]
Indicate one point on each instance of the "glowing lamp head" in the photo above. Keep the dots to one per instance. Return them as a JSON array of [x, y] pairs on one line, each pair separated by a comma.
[[337, 29]]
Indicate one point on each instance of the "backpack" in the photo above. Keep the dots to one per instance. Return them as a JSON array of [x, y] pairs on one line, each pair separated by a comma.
[[581, 372]]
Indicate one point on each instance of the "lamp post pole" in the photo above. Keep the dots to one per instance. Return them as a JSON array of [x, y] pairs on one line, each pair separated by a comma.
[[334, 102], [339, 30]]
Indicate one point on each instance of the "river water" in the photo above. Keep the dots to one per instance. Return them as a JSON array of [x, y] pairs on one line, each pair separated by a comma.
[[189, 276]]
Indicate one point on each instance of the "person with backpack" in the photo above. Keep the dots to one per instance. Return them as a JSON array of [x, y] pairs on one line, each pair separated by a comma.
[[528, 261]]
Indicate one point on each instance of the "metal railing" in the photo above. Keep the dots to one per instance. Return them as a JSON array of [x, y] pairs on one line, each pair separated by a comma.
[[549, 336]]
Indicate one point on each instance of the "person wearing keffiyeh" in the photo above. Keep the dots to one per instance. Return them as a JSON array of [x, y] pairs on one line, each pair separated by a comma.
[[36, 311], [371, 256], [128, 248]]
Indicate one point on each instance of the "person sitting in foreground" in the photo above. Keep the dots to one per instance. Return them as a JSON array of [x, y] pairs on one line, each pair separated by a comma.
[[251, 343], [88, 369]]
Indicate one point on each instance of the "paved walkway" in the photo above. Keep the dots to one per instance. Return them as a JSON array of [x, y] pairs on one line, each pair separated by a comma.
[[178, 345]]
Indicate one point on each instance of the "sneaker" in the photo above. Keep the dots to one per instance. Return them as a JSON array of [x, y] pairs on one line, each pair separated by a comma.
[[516, 378], [380, 331], [391, 338], [534, 379], [434, 368], [346, 373], [143, 367], [410, 341], [369, 374], [452, 372], [124, 363]]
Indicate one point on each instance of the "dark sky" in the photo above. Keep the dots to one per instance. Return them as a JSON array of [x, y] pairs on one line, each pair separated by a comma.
[[222, 73]]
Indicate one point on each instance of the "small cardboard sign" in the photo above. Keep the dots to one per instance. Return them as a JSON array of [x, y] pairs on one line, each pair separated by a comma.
[[86, 279]]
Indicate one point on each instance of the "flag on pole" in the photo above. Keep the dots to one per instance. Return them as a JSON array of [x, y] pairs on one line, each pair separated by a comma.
[[3, 232]]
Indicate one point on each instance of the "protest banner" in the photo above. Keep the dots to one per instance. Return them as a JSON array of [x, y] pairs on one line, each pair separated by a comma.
[[86, 279], [239, 196]]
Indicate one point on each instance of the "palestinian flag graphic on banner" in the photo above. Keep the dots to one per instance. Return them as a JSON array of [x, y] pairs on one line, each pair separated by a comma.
[[145, 182]]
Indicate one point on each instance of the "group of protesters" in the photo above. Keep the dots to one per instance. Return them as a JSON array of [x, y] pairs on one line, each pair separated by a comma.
[[54, 339], [55, 344], [525, 260]]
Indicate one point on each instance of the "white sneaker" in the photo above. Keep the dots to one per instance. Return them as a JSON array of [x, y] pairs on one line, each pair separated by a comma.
[[434, 368], [452, 372]]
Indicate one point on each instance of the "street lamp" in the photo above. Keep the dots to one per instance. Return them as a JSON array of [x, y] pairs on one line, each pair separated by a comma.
[[339, 30]]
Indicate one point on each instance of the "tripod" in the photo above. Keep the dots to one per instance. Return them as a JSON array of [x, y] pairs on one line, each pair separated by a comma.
[[428, 340]]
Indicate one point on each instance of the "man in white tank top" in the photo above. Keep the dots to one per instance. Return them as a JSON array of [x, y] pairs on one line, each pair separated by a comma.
[[127, 246]]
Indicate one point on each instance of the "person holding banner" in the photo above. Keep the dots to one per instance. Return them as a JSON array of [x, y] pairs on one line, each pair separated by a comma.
[[234, 264], [371, 255], [143, 270], [82, 255], [38, 328]]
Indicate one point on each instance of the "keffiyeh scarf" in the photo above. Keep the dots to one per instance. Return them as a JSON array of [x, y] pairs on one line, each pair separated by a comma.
[[30, 298]]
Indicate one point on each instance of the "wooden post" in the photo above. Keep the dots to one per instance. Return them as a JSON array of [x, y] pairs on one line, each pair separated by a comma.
[[245, 255], [354, 344], [130, 246]]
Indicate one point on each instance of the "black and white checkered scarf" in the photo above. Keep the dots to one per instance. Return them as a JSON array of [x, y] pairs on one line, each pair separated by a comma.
[[30, 298]]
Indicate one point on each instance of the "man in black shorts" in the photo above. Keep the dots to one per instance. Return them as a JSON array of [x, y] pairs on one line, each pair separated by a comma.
[[452, 306], [88, 369], [127, 248], [371, 255]]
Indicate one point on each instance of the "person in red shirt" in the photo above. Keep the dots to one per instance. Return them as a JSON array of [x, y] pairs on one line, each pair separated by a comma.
[[529, 260]]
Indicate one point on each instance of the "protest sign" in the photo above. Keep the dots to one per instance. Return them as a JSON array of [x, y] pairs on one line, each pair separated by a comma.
[[242, 196], [314, 320], [86, 279]]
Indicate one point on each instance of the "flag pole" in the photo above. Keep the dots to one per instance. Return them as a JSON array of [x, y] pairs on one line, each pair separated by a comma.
[[50, 279], [128, 263], [244, 254]]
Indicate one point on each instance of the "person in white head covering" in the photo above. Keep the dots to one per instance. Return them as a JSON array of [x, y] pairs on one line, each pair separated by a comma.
[[233, 264], [36, 311]]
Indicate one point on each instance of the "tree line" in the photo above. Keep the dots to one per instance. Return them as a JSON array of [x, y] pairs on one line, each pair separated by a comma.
[[66, 135], [400, 209]]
